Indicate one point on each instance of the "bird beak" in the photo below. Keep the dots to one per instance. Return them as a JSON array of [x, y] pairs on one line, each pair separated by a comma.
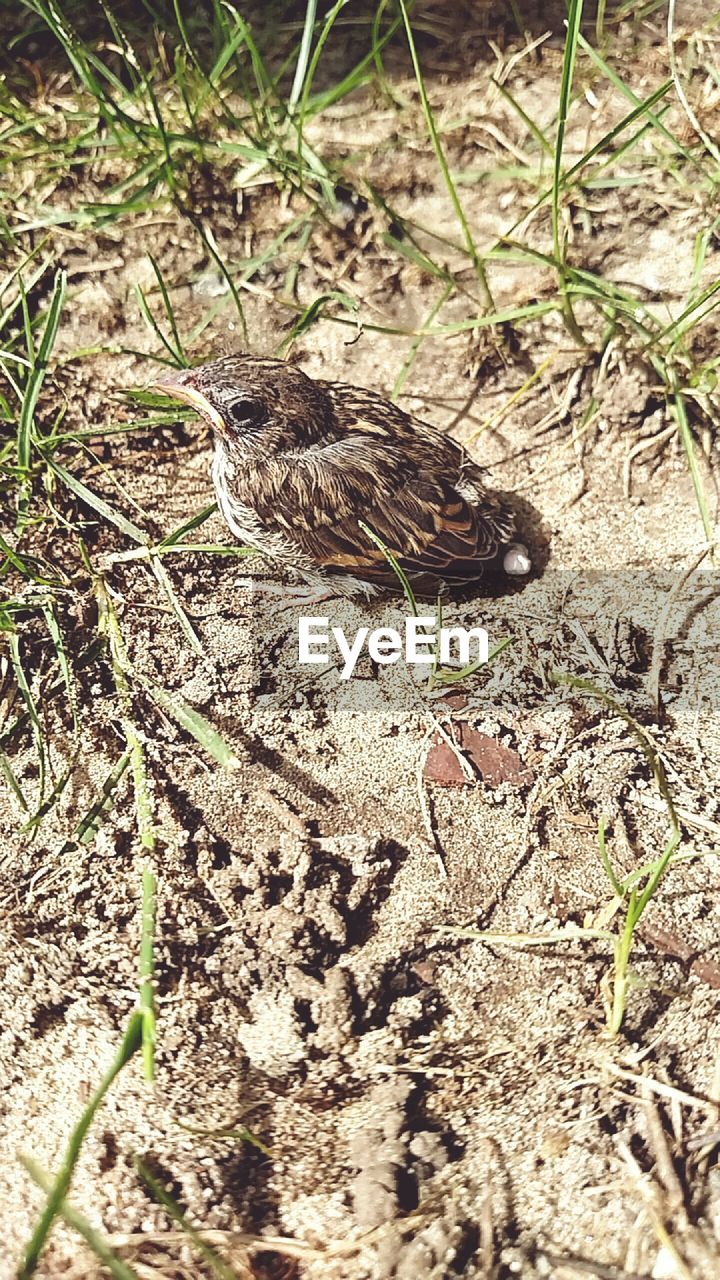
[[179, 385]]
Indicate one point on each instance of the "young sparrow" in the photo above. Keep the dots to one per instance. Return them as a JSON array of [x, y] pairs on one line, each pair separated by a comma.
[[300, 465]]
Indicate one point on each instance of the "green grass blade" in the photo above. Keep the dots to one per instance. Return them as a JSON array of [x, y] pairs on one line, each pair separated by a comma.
[[638, 900], [97, 504], [146, 1002], [408, 249], [53, 626], [529, 123], [442, 162], [444, 676], [60, 1184], [216, 1264], [314, 311], [177, 535], [154, 327], [102, 1250], [571, 43], [395, 565], [302, 93], [358, 75], [678, 327], [303, 55], [605, 859], [196, 725], [169, 312], [27, 566], [415, 344], [211, 247], [85, 659], [688, 444], [38, 359], [186, 626], [619, 84], [89, 824], [7, 771]]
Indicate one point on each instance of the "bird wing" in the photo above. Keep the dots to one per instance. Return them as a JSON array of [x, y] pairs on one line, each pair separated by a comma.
[[318, 497]]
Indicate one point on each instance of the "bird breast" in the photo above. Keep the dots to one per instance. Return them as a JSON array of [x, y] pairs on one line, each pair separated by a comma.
[[243, 520]]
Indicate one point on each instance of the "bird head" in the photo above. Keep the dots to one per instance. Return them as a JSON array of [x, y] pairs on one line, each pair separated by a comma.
[[240, 395]]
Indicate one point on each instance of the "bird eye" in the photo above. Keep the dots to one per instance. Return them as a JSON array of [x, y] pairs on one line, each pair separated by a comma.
[[244, 413]]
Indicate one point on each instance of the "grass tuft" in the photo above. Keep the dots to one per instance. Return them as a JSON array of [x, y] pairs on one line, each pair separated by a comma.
[[638, 889]]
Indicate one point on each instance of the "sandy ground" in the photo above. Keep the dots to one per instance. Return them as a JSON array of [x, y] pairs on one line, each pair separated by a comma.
[[431, 1104]]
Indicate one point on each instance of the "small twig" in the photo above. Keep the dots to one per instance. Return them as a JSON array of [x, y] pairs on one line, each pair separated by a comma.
[[641, 447], [650, 1195], [669, 1091], [425, 809], [686, 816], [584, 1267], [664, 1162]]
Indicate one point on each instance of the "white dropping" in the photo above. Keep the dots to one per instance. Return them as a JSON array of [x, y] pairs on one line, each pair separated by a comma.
[[666, 1265], [517, 561]]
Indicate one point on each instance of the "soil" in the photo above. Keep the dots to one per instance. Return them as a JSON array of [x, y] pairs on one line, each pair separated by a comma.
[[429, 1102]]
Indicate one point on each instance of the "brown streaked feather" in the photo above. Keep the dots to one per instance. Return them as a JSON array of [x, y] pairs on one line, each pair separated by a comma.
[[310, 460], [320, 498]]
